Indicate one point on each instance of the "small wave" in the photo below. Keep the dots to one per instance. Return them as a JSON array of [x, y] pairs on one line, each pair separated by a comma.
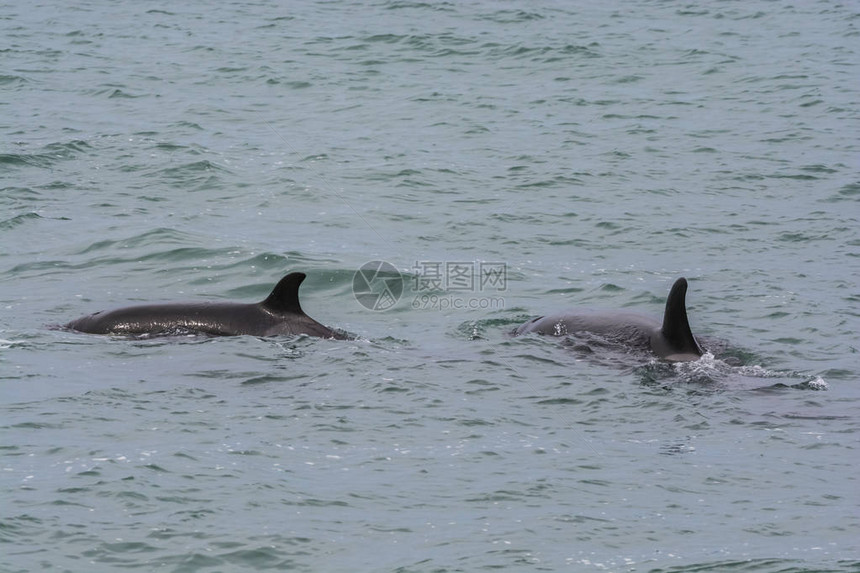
[[18, 220], [511, 16], [4, 344], [158, 236], [12, 80], [193, 176], [47, 156], [478, 329], [192, 169], [712, 371]]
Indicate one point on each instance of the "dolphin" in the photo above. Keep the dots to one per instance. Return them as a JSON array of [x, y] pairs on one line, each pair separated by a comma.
[[279, 313], [671, 340]]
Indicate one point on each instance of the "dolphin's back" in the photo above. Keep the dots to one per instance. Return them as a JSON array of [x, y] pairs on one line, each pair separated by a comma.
[[209, 318], [279, 313], [671, 339], [629, 325]]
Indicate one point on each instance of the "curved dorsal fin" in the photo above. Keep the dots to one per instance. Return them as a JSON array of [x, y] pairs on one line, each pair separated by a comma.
[[676, 328], [285, 296]]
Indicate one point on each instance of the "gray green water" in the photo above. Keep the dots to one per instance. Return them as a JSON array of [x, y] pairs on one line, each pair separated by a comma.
[[154, 151]]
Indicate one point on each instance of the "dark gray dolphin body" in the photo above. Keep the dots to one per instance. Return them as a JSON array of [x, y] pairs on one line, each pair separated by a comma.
[[672, 339], [280, 313]]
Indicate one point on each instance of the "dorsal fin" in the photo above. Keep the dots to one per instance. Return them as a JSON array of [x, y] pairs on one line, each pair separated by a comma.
[[285, 295], [676, 328]]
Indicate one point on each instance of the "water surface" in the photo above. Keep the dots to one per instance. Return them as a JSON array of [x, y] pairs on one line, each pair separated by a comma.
[[156, 152]]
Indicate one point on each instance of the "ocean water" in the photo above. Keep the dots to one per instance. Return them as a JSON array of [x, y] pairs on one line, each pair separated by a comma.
[[508, 159]]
